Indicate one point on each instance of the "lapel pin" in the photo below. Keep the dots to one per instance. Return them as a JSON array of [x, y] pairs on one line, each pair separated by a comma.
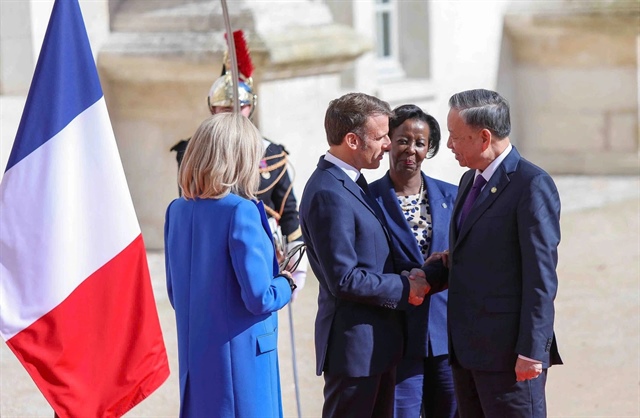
[[444, 205], [494, 189]]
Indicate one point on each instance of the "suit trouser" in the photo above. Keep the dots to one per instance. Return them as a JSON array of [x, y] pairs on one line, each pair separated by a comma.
[[498, 395], [359, 397]]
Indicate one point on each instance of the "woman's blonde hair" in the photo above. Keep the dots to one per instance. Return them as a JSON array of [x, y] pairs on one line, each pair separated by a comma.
[[222, 156]]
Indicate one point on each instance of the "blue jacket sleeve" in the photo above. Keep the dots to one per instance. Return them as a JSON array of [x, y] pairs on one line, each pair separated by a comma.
[[252, 259]]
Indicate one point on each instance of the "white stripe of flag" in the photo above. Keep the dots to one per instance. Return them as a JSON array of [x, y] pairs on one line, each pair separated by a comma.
[[63, 217]]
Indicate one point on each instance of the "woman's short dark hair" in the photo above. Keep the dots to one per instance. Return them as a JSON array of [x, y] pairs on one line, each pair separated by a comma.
[[407, 112]]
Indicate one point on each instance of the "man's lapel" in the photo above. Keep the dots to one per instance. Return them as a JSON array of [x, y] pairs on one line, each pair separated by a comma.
[[439, 212], [347, 183], [397, 222], [463, 190], [496, 185], [355, 190]]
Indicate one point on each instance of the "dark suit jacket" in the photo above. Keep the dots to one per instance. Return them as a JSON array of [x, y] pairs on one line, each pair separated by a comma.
[[503, 282], [427, 322], [359, 329]]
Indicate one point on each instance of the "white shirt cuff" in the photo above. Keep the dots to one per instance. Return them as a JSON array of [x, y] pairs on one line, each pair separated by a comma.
[[527, 358]]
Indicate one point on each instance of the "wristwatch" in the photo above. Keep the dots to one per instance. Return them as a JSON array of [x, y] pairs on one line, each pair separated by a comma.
[[292, 284]]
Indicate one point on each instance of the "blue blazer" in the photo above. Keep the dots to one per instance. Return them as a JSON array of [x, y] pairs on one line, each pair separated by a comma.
[[359, 328], [426, 323], [220, 267], [503, 282]]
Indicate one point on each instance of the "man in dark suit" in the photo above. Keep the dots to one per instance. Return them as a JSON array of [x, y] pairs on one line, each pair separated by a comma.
[[504, 236], [359, 332]]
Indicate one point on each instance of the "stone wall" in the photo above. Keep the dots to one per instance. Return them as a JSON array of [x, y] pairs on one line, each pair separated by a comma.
[[16, 66], [159, 63], [575, 84]]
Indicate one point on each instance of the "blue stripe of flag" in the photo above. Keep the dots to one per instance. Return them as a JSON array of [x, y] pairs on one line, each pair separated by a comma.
[[64, 84]]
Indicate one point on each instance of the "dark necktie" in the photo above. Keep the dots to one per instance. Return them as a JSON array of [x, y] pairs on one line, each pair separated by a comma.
[[362, 182], [471, 198]]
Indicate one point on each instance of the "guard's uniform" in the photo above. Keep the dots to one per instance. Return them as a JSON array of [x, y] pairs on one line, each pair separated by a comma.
[[276, 191]]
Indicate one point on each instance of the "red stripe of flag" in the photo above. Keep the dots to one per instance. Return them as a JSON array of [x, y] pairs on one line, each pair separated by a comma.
[[100, 352]]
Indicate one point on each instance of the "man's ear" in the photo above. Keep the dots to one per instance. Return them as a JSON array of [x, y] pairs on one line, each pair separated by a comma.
[[486, 136], [352, 140]]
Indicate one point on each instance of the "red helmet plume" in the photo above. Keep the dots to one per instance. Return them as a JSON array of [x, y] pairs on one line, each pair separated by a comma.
[[245, 65]]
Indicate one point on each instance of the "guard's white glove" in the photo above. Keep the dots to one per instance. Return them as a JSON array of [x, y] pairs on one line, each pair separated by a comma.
[[300, 273], [278, 240]]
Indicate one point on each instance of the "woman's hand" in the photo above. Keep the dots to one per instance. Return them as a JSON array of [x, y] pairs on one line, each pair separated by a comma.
[[287, 275]]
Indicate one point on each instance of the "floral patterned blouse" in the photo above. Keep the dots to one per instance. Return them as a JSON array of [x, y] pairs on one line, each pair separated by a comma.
[[417, 212]]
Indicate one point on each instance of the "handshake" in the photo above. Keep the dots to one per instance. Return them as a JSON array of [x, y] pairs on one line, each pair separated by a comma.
[[419, 287]]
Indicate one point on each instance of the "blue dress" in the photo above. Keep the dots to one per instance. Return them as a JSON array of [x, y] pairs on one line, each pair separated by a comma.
[[220, 267]]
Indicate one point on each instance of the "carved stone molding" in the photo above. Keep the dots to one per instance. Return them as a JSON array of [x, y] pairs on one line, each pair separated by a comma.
[[158, 42]]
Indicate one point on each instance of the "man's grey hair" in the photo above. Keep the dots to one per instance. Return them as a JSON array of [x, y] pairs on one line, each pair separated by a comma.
[[484, 109]]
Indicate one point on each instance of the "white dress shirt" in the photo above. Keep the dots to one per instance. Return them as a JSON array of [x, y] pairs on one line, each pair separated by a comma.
[[351, 171]]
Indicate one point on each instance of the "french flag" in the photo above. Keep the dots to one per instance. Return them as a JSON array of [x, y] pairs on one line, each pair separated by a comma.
[[76, 302]]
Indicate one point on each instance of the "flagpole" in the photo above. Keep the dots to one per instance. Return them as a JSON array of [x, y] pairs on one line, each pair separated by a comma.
[[295, 363], [232, 56]]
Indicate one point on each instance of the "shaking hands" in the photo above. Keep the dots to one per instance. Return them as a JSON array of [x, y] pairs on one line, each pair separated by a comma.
[[418, 279], [418, 286]]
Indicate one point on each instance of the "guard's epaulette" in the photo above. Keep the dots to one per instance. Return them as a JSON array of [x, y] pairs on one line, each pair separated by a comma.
[[180, 146], [277, 145]]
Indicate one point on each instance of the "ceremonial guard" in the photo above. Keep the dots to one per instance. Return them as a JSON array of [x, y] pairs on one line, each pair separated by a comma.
[[276, 188]]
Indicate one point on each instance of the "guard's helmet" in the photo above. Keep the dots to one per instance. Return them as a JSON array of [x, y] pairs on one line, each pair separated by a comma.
[[221, 91]]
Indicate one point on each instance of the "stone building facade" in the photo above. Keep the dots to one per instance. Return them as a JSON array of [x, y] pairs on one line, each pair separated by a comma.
[[568, 67]]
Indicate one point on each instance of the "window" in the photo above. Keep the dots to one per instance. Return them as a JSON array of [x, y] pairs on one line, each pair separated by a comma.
[[386, 17], [383, 28]]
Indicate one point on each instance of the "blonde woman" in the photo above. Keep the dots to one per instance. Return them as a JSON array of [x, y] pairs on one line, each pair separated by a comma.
[[222, 276]]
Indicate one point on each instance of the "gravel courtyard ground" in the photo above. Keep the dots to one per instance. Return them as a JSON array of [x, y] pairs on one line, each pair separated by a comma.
[[597, 322]]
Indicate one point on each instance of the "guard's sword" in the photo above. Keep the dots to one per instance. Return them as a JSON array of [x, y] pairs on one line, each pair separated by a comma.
[[232, 55]]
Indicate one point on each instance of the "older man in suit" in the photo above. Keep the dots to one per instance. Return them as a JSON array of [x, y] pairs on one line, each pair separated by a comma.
[[502, 257], [359, 332]]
